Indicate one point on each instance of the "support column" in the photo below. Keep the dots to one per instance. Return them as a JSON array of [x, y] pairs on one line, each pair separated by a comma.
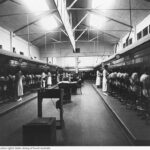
[[28, 30], [76, 63], [11, 39]]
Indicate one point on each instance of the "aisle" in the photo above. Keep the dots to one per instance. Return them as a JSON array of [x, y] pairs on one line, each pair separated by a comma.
[[87, 122]]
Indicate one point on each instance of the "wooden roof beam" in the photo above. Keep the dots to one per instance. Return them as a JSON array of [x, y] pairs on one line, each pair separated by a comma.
[[81, 35], [70, 6], [43, 15], [64, 17], [104, 32], [122, 23]]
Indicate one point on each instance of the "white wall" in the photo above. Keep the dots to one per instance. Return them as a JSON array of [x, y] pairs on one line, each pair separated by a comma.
[[86, 49], [65, 61], [90, 61], [35, 52], [123, 40], [19, 44], [5, 39], [90, 54], [143, 24], [133, 35]]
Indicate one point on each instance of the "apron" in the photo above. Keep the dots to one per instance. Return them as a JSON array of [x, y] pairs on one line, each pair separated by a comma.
[[98, 79], [104, 84], [20, 87], [104, 87], [49, 81]]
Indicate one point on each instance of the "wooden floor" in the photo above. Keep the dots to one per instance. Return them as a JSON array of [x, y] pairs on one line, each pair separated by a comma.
[[87, 122], [137, 128]]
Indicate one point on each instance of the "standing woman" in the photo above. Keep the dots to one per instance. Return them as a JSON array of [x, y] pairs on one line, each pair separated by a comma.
[[58, 77], [105, 75], [43, 80], [19, 84], [49, 80], [98, 79]]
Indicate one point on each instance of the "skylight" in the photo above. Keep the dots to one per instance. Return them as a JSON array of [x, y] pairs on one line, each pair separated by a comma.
[[102, 4], [97, 21], [49, 23], [36, 5]]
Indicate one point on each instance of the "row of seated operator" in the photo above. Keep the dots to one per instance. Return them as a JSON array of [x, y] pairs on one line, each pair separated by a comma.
[[29, 82], [8, 84], [132, 89]]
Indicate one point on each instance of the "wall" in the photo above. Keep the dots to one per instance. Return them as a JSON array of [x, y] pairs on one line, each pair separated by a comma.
[[5, 39], [90, 53], [123, 40], [86, 49], [19, 44], [143, 24], [133, 35]]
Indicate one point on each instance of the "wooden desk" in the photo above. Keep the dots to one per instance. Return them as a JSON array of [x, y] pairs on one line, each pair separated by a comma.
[[50, 93], [65, 85]]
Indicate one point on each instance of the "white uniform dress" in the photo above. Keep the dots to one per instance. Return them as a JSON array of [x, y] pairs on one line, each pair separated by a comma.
[[49, 80], [58, 78], [20, 85], [105, 73], [98, 78]]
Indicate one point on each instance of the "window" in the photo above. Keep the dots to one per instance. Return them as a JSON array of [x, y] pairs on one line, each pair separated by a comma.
[[21, 53], [145, 31], [130, 41], [124, 45], [139, 35], [14, 50], [126, 42]]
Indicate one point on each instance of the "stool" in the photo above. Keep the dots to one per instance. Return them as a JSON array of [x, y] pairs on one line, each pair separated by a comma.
[[40, 132]]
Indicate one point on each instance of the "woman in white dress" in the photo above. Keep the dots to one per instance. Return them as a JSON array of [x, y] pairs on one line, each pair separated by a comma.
[[58, 78], [105, 75], [49, 80], [43, 80], [98, 79], [19, 78]]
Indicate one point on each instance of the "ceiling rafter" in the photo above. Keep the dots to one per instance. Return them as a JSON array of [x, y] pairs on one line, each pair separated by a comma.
[[38, 33], [63, 14], [95, 38], [81, 21], [3, 1], [40, 37], [15, 2], [103, 32], [55, 39], [97, 9], [20, 14], [72, 3], [111, 18], [81, 34], [40, 17], [58, 31], [45, 34]]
